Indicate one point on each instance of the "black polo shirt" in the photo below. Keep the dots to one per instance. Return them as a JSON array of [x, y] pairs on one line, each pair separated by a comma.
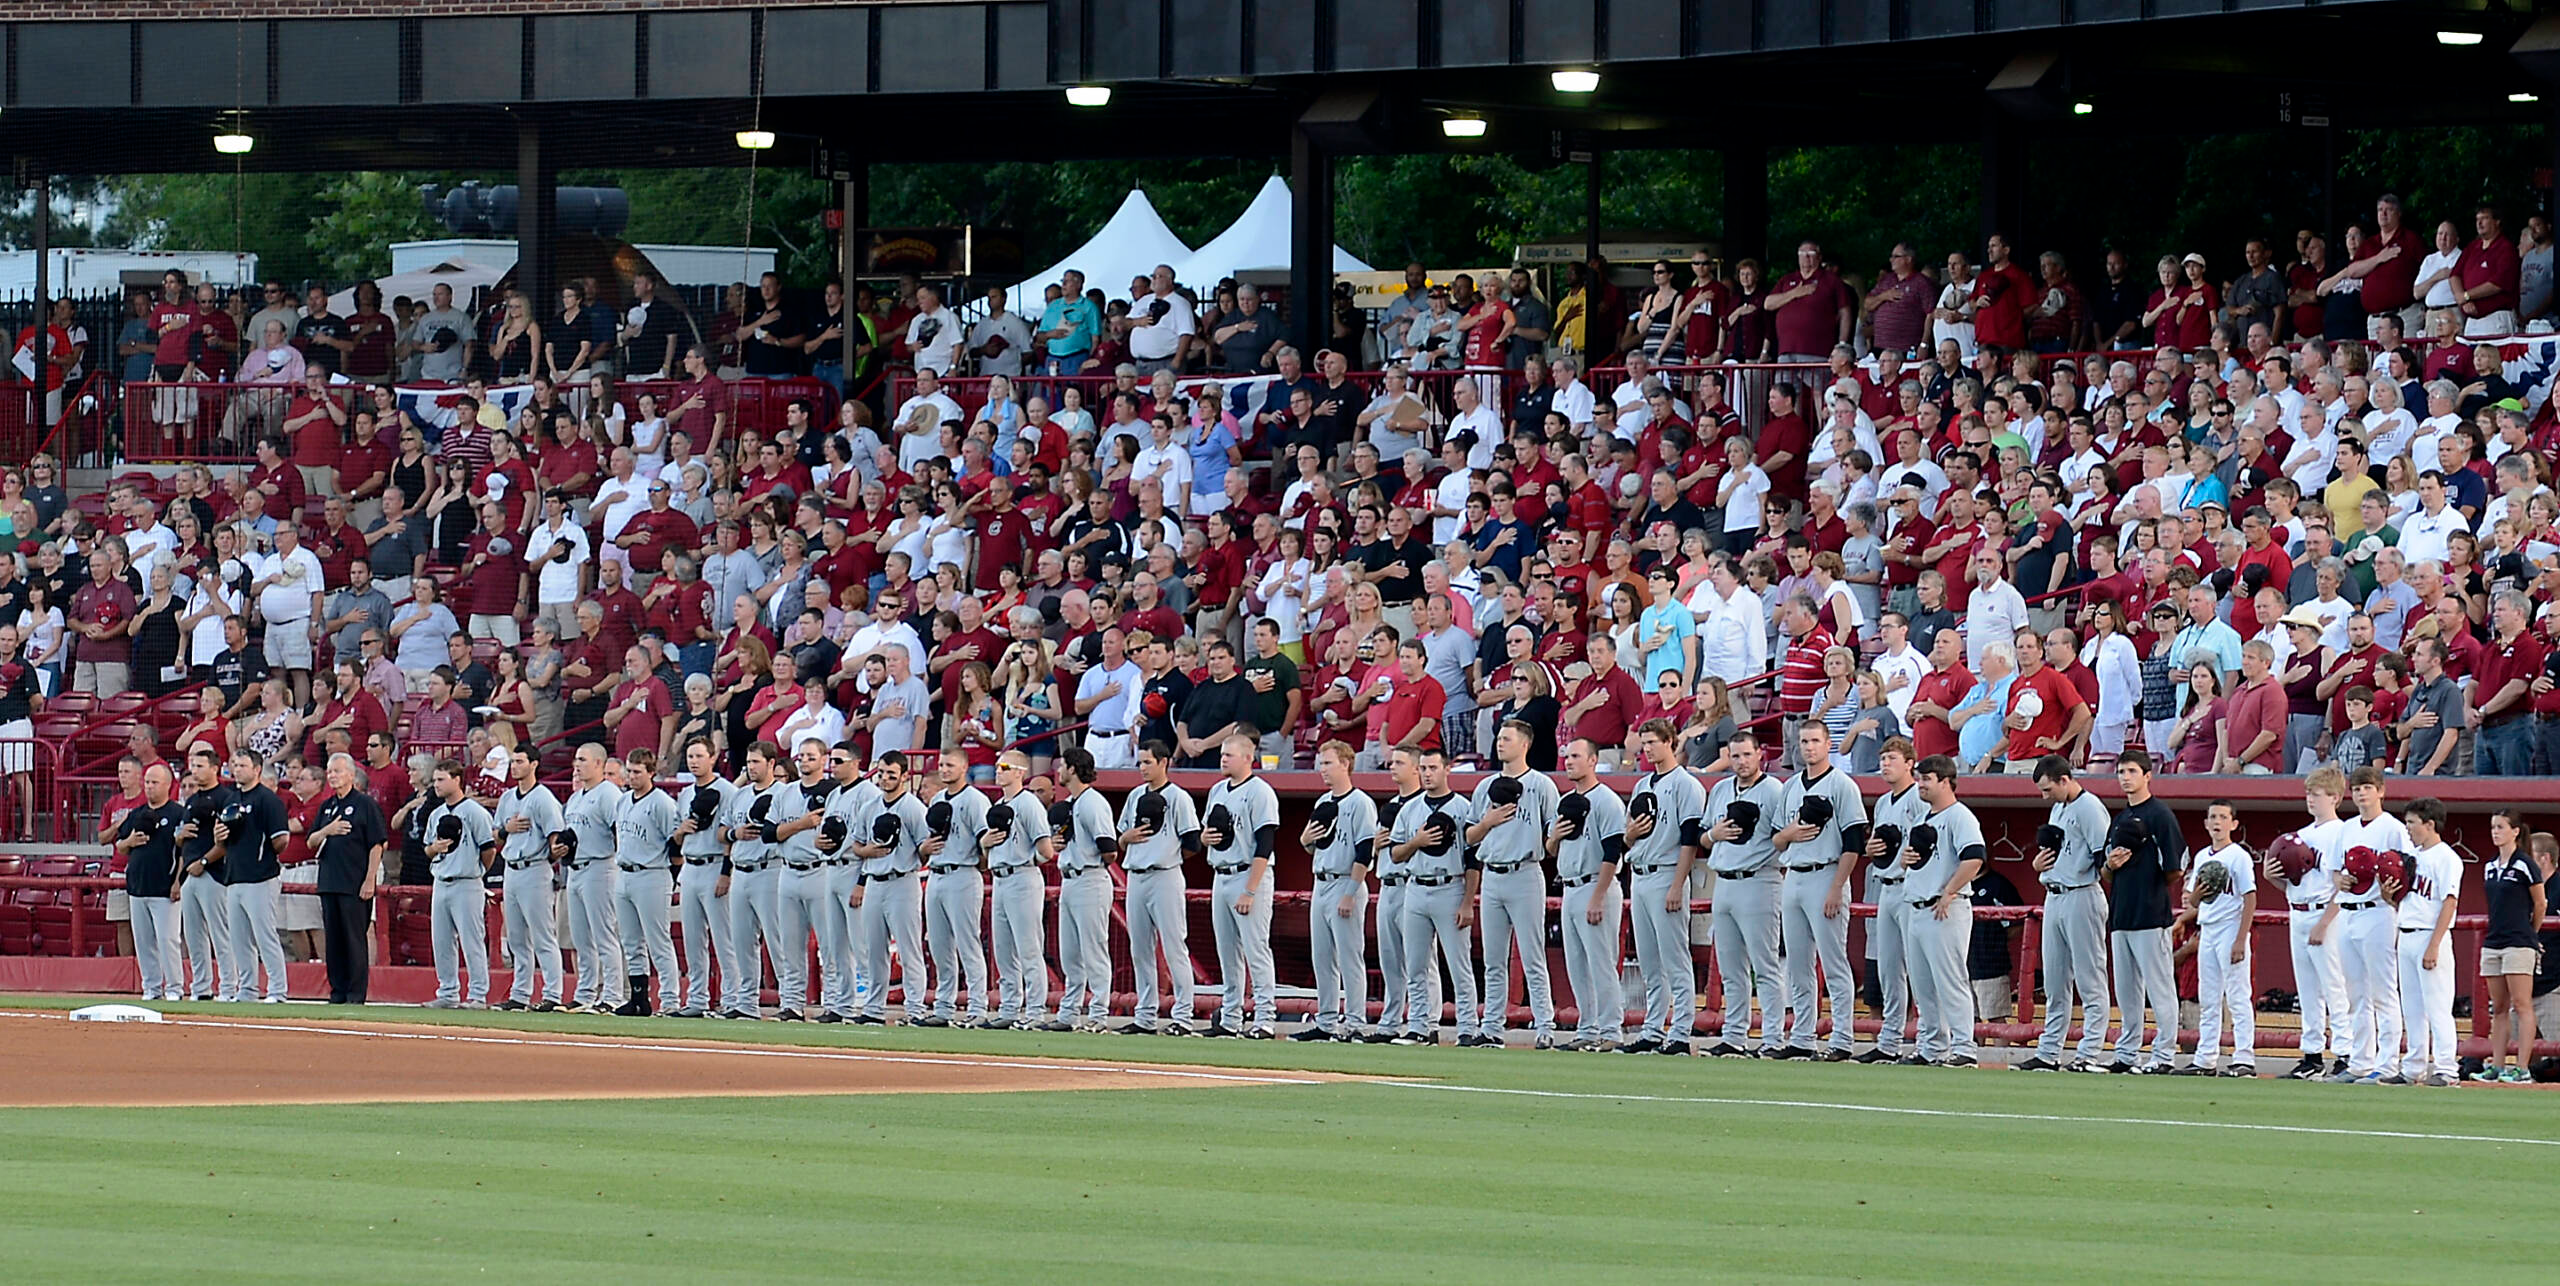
[[250, 857], [2142, 892], [151, 870], [344, 858], [1214, 704]]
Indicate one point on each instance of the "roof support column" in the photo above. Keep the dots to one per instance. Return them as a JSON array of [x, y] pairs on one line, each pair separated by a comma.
[[1310, 242], [1746, 201], [537, 216], [2004, 176]]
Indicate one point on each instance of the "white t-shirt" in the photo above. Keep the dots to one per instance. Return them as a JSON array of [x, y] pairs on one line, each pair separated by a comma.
[[2439, 879], [1741, 495], [2224, 909], [1451, 494], [557, 582], [290, 599], [1488, 431], [1908, 663], [622, 501], [1958, 296], [2440, 295], [1155, 341], [942, 352]]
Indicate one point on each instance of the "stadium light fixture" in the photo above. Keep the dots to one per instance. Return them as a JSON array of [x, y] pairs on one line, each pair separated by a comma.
[[2458, 37], [1089, 95], [2083, 108], [1463, 127], [1574, 82], [233, 143], [2522, 97], [756, 140]]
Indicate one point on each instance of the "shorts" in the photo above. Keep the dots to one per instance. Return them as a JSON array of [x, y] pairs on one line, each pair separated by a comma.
[[289, 644], [119, 906], [2500, 961], [17, 746]]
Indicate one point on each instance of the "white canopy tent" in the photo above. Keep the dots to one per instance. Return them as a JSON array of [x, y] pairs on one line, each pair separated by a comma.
[[464, 275], [1258, 241], [1131, 243]]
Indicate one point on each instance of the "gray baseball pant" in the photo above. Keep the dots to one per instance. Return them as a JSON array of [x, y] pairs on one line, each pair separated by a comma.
[[800, 912], [2145, 978], [1389, 907], [1022, 971], [704, 913], [204, 920], [1810, 936], [955, 902], [842, 991], [1886, 933], [155, 945], [2074, 945], [755, 914], [1336, 916], [1429, 913], [1244, 947], [1512, 909], [1084, 944], [892, 909], [1591, 961], [1940, 982], [1662, 956], [1746, 941], [254, 938], [643, 906], [460, 934], [1159, 921], [533, 935], [591, 893]]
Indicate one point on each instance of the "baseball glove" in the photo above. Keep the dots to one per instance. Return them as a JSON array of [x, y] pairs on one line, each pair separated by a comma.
[[2213, 879]]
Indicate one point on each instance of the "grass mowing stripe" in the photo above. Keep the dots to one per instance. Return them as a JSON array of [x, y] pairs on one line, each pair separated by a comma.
[[1981, 1116]]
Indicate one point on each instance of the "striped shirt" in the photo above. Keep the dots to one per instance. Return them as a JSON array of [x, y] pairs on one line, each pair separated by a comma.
[[1800, 674]]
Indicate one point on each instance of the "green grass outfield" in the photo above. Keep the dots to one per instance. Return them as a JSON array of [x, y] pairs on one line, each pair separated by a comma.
[[1687, 1169]]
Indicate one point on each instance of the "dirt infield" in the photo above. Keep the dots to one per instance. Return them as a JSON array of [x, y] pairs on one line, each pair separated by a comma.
[[48, 1061]]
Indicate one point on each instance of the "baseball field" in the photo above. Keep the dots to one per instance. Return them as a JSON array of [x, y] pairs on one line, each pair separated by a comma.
[[277, 1143]]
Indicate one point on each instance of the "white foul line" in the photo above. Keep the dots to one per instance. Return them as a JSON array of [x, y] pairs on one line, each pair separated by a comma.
[[736, 1051], [1981, 1116]]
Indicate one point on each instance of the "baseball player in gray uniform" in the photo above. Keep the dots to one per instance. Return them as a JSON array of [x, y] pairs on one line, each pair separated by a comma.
[[594, 806], [1340, 834], [1153, 837], [955, 896], [1016, 843], [1744, 858], [1240, 831], [644, 885], [1944, 852], [204, 918], [755, 884], [800, 888], [1086, 838], [846, 815], [528, 815], [1428, 841], [1589, 843], [461, 843], [2069, 849], [1897, 810], [889, 906], [702, 887], [1509, 836], [1826, 822], [1393, 879], [1666, 828]]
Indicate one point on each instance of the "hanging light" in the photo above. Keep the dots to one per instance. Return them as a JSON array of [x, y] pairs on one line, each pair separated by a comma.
[[1089, 95], [1463, 127], [2083, 108], [233, 143], [2522, 97], [2458, 37], [756, 140], [1574, 82]]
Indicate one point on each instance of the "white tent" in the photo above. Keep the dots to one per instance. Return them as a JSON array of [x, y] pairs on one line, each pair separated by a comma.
[[1257, 241], [1131, 243], [464, 275]]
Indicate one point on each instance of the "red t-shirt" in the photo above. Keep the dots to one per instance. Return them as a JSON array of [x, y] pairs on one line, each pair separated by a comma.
[[1415, 701], [494, 583], [285, 493], [2387, 287], [2254, 709], [316, 443], [2000, 306], [1608, 722], [1931, 735], [1004, 538], [2496, 666], [640, 728], [2490, 263], [665, 529], [990, 646], [2060, 699], [1810, 324], [1800, 672], [682, 613], [622, 617], [1161, 621], [171, 348], [1588, 510], [2359, 665], [1785, 433], [358, 462]]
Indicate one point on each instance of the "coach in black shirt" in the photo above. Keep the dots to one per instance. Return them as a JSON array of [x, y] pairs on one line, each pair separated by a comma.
[[351, 833], [1220, 706], [149, 838]]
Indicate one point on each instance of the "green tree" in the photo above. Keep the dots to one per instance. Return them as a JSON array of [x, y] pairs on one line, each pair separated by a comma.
[[363, 214]]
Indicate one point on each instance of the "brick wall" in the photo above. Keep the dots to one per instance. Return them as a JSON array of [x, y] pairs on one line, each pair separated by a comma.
[[113, 10]]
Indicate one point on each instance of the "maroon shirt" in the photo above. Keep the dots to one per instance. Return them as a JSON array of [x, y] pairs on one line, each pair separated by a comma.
[[622, 617], [1004, 536], [1606, 724], [2490, 263], [665, 529], [495, 582], [1810, 324], [2256, 708], [110, 604], [2499, 664], [2387, 286]]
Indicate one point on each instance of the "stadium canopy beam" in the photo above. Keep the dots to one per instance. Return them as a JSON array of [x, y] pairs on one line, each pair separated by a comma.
[[1746, 201], [537, 213], [2537, 50]]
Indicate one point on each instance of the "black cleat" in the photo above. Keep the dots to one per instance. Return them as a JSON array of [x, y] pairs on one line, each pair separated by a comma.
[[866, 1020], [1956, 1060], [2308, 1069], [828, 1016], [791, 1016], [1835, 1054], [2120, 1068], [1724, 1049], [1136, 1028], [1376, 1036], [2338, 1067], [2039, 1063], [2193, 1069], [1873, 1055], [509, 1005], [1641, 1045], [933, 1020], [1675, 1048], [1311, 1033], [1221, 1031]]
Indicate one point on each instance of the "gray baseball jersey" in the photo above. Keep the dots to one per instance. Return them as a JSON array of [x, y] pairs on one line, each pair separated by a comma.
[[1848, 817], [541, 813], [1163, 849], [1680, 813], [968, 818], [1088, 825], [463, 860], [1524, 837], [642, 830], [1959, 840], [1755, 851], [1603, 838], [1253, 806], [1416, 816], [902, 856], [2084, 841], [1355, 829], [592, 813], [705, 843], [790, 803], [855, 806], [1021, 844]]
